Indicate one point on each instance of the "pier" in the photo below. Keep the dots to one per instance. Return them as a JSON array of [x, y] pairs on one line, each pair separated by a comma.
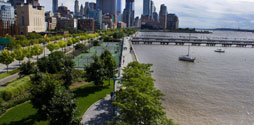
[[193, 42]]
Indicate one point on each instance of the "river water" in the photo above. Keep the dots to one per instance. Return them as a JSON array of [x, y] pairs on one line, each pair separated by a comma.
[[218, 89]]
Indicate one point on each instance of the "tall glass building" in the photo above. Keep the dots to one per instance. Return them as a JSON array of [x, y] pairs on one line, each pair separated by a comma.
[[55, 6]]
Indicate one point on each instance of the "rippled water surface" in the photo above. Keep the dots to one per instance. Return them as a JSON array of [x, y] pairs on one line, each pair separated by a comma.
[[218, 89]]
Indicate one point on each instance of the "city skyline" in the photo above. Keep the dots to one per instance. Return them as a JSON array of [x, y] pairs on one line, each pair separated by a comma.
[[198, 14]]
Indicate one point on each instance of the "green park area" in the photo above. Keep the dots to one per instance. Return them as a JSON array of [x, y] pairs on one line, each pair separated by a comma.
[[25, 114], [87, 58]]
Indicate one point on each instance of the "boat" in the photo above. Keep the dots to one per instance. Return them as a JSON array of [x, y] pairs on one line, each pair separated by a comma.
[[187, 57], [219, 51]]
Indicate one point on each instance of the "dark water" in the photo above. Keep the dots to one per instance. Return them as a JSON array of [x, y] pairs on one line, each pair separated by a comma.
[[218, 89]]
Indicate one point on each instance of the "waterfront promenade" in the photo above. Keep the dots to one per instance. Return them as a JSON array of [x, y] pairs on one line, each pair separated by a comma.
[[102, 111]]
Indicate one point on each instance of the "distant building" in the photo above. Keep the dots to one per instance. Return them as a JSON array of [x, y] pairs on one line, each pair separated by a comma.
[[66, 23], [51, 20], [110, 20], [54, 6], [64, 12], [107, 6], [15, 2], [121, 25], [30, 18], [172, 22], [163, 16], [7, 18], [76, 8], [129, 13], [82, 10], [137, 22], [146, 7], [119, 7], [86, 24], [155, 17], [35, 3]]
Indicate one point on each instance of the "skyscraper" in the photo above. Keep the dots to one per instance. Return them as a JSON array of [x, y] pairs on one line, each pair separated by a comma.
[[107, 6], [14, 2], [129, 13], [119, 7], [172, 22], [54, 6], [163, 16], [35, 3], [76, 8], [82, 10], [147, 8]]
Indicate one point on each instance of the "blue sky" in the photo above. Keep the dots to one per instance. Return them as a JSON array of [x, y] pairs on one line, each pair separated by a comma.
[[195, 13]]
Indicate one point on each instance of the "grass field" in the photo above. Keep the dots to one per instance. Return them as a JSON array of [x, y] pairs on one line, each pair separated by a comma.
[[25, 114], [86, 58]]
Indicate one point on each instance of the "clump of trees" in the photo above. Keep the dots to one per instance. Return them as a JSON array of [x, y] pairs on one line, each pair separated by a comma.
[[138, 100], [103, 68], [53, 101]]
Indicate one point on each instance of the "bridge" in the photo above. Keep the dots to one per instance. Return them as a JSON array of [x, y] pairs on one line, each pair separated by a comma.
[[194, 42]]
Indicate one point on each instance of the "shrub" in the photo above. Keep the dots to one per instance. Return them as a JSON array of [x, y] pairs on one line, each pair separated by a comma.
[[15, 88], [27, 68]]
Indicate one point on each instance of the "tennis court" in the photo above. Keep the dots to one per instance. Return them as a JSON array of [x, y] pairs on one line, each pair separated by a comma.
[[87, 58]]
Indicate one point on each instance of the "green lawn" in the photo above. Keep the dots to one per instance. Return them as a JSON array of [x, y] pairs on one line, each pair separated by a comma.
[[25, 114], [4, 75]]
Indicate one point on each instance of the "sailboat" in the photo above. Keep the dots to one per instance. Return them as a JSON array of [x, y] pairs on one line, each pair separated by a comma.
[[187, 57]]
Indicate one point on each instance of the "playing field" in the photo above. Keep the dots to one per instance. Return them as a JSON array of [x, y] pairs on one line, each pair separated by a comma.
[[87, 58]]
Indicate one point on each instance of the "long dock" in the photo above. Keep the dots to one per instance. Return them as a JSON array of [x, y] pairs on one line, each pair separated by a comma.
[[194, 42]]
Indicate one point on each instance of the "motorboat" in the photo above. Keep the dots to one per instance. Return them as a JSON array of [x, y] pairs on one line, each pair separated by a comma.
[[219, 51], [187, 58]]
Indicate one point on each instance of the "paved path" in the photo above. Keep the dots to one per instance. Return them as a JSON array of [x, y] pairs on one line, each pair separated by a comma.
[[8, 79], [101, 112]]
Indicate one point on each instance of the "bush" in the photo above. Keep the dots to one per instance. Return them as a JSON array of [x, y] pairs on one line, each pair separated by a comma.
[[96, 43], [27, 68], [15, 88]]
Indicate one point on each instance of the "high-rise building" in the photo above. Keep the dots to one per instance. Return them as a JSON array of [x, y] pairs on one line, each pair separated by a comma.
[[15, 2], [107, 6], [6, 19], [163, 16], [155, 17], [119, 7], [51, 20], [172, 22], [92, 6], [153, 8], [76, 8], [54, 6], [147, 8], [82, 10], [64, 12], [86, 24], [33, 2], [129, 13], [30, 18]]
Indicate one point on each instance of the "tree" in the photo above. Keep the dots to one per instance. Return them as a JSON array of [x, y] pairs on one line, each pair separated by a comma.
[[67, 72], [28, 52], [42, 94], [19, 53], [51, 47], [62, 44], [27, 68], [37, 50], [95, 71], [62, 107], [51, 64], [7, 58], [109, 65], [138, 100]]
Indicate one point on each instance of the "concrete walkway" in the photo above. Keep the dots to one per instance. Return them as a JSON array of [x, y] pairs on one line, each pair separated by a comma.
[[101, 112], [8, 79]]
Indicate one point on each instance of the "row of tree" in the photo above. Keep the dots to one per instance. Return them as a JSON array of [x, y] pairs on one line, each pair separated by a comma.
[[138, 100], [19, 53]]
